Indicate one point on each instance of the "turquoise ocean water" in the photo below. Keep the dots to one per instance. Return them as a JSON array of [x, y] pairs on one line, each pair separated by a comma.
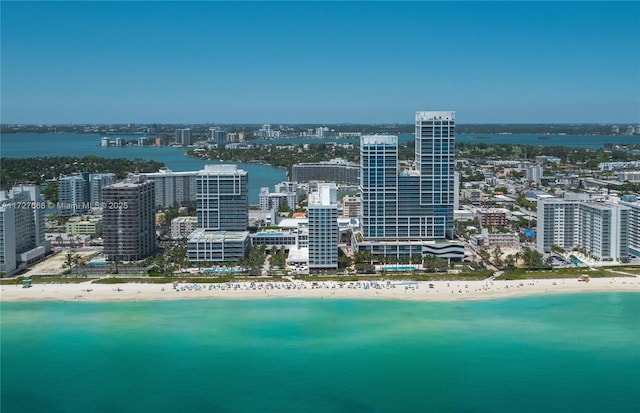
[[559, 353]]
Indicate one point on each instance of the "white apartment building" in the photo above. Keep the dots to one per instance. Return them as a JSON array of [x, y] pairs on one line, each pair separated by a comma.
[[634, 226], [96, 183], [602, 229], [171, 187], [22, 226], [285, 194], [533, 173], [183, 226], [73, 194]]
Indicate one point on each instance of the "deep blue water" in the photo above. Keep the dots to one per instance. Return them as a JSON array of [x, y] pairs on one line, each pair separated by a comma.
[[559, 353]]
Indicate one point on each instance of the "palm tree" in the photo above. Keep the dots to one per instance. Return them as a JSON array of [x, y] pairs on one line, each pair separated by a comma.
[[68, 260], [497, 256], [76, 259], [510, 261]]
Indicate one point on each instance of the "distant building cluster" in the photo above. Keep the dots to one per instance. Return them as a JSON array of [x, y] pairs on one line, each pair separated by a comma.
[[265, 132], [628, 130]]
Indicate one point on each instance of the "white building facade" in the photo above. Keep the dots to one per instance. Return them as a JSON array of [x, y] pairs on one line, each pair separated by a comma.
[[602, 229], [222, 204], [22, 226], [173, 188]]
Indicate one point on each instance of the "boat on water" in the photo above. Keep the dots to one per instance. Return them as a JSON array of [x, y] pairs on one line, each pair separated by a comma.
[[544, 137]]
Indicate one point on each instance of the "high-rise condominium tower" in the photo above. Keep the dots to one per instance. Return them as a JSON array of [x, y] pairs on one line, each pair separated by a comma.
[[435, 161], [128, 219], [222, 200], [323, 227], [407, 210]]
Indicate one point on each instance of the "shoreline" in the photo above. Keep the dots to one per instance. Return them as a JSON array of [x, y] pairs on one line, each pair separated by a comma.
[[437, 291]]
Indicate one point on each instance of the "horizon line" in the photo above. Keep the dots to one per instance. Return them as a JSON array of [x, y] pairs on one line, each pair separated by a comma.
[[302, 123]]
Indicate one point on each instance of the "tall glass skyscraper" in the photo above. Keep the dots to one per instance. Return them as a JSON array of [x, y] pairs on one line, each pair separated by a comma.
[[435, 161], [379, 185], [404, 211], [222, 200], [222, 205]]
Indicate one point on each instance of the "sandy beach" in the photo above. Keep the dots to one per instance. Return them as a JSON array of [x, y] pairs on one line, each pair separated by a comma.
[[425, 291]]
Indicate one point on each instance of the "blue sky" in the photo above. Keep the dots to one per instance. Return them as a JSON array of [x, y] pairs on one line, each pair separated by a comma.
[[319, 62]]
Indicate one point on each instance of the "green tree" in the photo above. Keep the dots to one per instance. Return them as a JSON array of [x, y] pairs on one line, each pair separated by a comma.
[[497, 256], [363, 262], [532, 258]]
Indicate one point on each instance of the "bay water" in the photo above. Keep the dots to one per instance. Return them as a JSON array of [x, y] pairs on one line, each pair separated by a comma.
[[29, 145], [554, 353]]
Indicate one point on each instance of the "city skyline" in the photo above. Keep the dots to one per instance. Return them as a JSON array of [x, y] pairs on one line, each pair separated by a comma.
[[312, 62]]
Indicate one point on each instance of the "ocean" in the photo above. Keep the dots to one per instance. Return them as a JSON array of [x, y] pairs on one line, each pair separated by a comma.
[[28, 145], [555, 353]]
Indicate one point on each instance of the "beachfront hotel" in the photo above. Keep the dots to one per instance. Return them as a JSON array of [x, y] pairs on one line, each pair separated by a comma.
[[22, 226], [410, 211], [222, 198], [128, 219], [631, 201], [323, 227], [222, 204], [602, 229]]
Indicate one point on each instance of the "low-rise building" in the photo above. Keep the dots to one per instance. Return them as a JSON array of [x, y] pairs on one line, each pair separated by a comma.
[[493, 216], [84, 225], [351, 206], [492, 240], [217, 246], [181, 227]]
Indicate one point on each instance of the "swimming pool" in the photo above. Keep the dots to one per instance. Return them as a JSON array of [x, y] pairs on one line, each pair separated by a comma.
[[398, 268], [218, 270]]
